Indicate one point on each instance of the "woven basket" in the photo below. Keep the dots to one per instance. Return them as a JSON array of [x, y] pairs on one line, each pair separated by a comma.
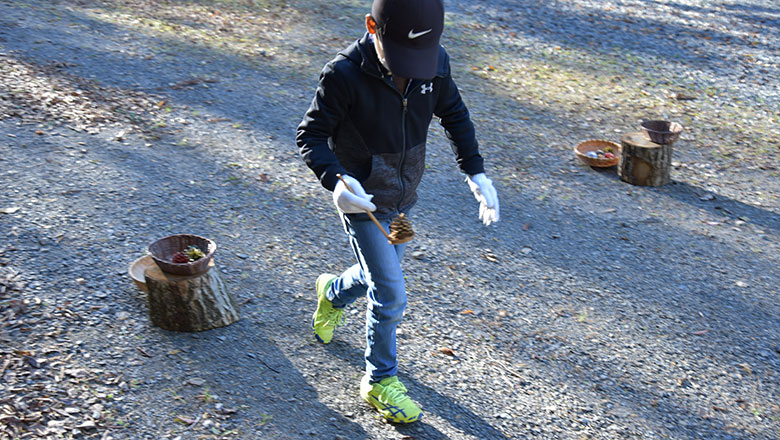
[[594, 145], [163, 249], [662, 132]]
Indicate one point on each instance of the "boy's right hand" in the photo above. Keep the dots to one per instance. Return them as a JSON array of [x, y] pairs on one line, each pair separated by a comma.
[[352, 203]]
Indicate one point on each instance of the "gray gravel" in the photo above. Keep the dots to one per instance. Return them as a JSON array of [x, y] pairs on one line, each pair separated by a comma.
[[594, 309]]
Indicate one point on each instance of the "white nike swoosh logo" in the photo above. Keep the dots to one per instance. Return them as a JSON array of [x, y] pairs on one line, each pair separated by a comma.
[[413, 34]]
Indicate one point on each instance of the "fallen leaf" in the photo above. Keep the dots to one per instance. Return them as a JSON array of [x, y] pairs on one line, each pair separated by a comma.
[[526, 226], [467, 312], [447, 351], [683, 96], [701, 332]]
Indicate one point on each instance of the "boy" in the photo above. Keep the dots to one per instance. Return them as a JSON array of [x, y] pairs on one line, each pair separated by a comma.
[[368, 123]]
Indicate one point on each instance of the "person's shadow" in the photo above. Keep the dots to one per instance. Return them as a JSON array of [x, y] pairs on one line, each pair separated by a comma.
[[431, 401], [249, 373]]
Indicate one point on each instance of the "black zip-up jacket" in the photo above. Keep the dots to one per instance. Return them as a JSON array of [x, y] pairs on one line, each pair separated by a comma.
[[361, 125]]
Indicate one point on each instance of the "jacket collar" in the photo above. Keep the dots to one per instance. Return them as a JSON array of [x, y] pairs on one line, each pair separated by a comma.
[[363, 53]]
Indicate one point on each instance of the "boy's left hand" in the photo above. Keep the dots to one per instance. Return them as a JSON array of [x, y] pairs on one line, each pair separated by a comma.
[[486, 195]]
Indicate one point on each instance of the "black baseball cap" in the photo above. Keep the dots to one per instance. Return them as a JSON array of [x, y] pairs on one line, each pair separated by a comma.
[[409, 31]]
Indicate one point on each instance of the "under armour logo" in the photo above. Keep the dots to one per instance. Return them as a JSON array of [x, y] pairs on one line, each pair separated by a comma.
[[426, 88]]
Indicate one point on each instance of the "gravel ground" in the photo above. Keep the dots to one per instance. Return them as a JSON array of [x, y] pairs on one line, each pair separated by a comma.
[[594, 309]]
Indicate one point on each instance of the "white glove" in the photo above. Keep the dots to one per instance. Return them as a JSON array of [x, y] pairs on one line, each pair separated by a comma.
[[486, 195], [352, 203]]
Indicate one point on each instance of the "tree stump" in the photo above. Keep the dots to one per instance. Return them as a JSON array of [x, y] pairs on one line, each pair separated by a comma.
[[643, 162], [189, 303]]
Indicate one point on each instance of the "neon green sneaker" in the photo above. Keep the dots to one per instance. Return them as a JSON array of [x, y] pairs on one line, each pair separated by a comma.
[[389, 397], [326, 318]]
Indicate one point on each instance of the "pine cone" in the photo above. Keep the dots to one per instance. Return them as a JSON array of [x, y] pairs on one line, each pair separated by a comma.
[[401, 229]]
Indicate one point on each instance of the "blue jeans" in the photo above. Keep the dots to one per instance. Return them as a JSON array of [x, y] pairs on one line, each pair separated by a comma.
[[377, 276]]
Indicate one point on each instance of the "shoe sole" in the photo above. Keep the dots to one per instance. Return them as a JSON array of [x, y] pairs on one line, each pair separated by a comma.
[[315, 331], [391, 418]]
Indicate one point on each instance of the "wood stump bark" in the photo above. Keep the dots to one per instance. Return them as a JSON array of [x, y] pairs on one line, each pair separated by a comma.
[[189, 303], [643, 162]]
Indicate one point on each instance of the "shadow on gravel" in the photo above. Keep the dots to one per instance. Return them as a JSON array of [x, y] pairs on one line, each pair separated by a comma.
[[229, 363], [717, 204], [753, 12], [238, 361], [431, 401], [703, 199], [666, 37], [274, 395], [672, 285], [242, 90], [460, 417], [664, 301]]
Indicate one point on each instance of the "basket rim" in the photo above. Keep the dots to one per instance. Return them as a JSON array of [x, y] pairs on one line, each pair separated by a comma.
[[140, 262], [212, 248], [674, 127], [599, 141], [598, 162]]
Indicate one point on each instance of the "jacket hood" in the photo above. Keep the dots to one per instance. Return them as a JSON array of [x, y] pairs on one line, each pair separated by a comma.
[[363, 53]]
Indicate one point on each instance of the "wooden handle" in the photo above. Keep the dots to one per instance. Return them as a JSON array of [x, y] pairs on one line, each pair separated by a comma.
[[370, 215]]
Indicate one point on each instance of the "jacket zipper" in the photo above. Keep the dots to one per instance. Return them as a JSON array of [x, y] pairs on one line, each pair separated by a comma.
[[404, 102], [403, 154]]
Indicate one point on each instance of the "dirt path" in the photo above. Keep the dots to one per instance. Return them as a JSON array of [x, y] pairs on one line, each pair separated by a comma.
[[594, 309]]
